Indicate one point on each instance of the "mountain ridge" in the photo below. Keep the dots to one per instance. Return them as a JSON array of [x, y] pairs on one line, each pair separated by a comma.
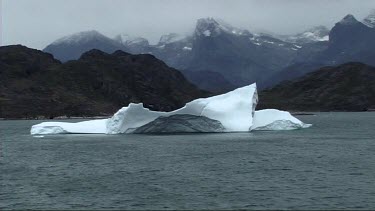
[[242, 57]]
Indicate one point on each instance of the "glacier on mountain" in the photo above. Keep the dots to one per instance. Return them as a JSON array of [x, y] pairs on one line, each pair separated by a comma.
[[235, 111]]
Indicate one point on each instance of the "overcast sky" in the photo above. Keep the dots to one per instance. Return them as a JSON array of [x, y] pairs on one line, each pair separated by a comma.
[[36, 23]]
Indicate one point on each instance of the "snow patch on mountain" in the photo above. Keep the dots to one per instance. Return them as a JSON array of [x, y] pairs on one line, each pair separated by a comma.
[[268, 41], [315, 34], [207, 33]]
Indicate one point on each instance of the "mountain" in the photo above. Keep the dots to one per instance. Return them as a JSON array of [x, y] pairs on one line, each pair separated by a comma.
[[347, 87], [315, 34], [209, 80], [33, 83], [174, 49], [349, 41], [370, 19], [238, 55], [73, 46]]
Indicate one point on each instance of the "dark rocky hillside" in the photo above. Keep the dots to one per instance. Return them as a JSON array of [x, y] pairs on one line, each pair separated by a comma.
[[33, 83], [348, 87]]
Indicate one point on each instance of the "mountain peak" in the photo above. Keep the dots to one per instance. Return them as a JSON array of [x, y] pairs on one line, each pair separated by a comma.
[[207, 27], [212, 27], [348, 20], [208, 20], [80, 37]]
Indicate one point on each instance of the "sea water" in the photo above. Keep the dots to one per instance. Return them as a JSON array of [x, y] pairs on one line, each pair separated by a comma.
[[328, 166]]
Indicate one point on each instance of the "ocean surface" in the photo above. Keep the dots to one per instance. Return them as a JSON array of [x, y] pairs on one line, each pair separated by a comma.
[[328, 166]]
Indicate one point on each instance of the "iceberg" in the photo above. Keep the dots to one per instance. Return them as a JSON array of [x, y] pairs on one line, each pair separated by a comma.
[[230, 112], [273, 119], [235, 111], [90, 127]]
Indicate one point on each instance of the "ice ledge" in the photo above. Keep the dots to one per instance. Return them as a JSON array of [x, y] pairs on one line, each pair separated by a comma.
[[272, 119]]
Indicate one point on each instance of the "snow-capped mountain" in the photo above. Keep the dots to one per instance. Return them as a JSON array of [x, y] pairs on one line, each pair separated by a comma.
[[349, 31], [214, 46], [370, 19], [349, 41], [211, 27], [80, 37], [73, 46], [315, 34], [240, 56]]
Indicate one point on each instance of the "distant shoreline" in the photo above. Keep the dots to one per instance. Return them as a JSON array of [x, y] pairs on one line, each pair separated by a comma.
[[58, 118], [294, 113]]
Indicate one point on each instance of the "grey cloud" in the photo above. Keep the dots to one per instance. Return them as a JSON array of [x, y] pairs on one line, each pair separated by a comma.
[[36, 23]]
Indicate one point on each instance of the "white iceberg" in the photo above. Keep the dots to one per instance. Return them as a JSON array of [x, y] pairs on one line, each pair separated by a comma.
[[90, 127], [272, 119], [235, 110]]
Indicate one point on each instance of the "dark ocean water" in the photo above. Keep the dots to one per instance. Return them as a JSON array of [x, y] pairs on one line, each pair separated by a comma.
[[328, 166]]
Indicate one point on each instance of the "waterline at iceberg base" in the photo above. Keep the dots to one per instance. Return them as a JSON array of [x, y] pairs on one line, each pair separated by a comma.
[[230, 112]]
